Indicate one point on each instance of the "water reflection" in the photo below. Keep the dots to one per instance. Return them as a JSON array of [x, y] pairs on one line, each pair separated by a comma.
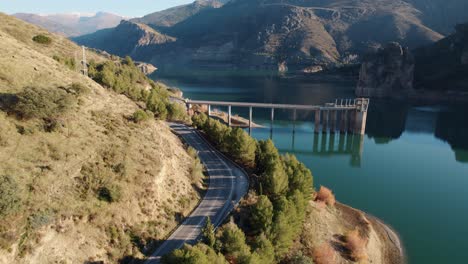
[[452, 127], [386, 121], [327, 145]]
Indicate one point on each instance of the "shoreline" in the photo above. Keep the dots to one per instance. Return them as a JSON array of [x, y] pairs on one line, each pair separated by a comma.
[[390, 232], [236, 120]]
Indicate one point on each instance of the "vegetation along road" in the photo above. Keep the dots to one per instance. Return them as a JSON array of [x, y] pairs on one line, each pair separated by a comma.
[[227, 185]]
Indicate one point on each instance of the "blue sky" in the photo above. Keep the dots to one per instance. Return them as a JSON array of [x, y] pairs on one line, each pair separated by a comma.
[[131, 8]]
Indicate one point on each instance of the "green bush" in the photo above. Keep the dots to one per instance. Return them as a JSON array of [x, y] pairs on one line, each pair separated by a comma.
[[176, 112], [42, 39], [140, 116], [35, 102], [10, 200]]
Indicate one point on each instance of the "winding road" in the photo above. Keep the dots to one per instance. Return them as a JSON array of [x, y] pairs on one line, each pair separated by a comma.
[[228, 183]]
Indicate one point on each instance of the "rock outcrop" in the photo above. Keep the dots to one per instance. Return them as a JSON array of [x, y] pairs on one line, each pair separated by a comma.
[[146, 68], [387, 73]]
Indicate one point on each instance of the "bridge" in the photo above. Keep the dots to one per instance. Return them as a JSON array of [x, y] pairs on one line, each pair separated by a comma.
[[345, 115]]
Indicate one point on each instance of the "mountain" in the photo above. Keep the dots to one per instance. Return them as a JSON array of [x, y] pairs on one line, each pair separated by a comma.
[[442, 15], [435, 72], [80, 180], [443, 66], [172, 16], [128, 38], [72, 24], [295, 34]]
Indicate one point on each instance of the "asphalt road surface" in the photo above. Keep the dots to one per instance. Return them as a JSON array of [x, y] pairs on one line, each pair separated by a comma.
[[227, 185]]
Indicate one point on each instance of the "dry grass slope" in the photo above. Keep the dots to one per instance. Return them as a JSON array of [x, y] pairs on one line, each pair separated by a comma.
[[60, 219]]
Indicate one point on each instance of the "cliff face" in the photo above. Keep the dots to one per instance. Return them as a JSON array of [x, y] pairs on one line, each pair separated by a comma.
[[389, 72]]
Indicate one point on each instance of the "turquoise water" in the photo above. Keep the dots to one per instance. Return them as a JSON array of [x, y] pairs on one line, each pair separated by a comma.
[[410, 169]]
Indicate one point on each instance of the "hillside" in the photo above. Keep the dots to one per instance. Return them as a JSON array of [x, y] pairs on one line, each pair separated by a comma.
[[296, 34], [172, 16], [128, 38], [81, 180], [71, 25]]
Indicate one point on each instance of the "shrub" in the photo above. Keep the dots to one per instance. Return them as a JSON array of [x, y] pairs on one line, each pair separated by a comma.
[[140, 116], [324, 254], [9, 195], [325, 195], [356, 245], [42, 39], [69, 62], [77, 89], [199, 120], [110, 194], [176, 112], [35, 102]]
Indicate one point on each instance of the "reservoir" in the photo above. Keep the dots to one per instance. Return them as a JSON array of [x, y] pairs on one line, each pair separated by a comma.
[[410, 169]]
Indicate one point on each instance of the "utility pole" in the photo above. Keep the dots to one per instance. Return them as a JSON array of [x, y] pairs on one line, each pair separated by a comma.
[[84, 63]]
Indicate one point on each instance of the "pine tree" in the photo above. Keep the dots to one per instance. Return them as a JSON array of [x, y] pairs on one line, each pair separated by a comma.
[[208, 233]]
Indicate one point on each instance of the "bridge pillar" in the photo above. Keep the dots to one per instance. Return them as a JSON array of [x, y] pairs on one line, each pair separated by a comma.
[[209, 110], [272, 117], [351, 121], [250, 117], [333, 117], [317, 121], [294, 120], [326, 114], [344, 121], [229, 115]]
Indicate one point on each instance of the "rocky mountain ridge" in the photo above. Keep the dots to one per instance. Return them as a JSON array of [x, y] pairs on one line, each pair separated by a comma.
[[273, 34]]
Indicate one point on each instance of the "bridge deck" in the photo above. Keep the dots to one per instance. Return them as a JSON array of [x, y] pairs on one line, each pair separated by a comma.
[[276, 106]]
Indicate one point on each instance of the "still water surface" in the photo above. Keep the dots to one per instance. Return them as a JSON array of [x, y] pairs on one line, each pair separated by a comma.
[[410, 169]]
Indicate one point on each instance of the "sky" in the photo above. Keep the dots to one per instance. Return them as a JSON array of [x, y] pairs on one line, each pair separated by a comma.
[[129, 8]]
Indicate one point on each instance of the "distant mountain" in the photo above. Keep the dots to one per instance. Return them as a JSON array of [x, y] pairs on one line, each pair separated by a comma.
[[172, 16], [128, 38], [72, 24], [294, 34]]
